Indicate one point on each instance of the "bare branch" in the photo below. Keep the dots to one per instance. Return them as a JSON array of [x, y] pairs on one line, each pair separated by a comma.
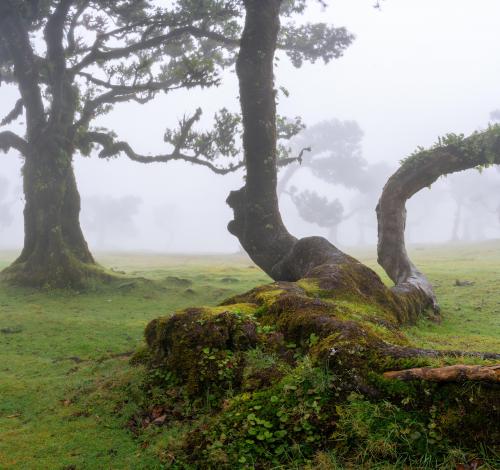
[[14, 114], [282, 162], [140, 93], [70, 36]]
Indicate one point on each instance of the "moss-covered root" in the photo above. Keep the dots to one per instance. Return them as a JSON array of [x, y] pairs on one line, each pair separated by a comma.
[[66, 272], [202, 346]]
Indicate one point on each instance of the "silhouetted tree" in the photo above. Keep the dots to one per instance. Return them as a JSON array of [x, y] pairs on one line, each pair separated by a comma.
[[319, 210], [112, 218], [336, 157], [6, 216]]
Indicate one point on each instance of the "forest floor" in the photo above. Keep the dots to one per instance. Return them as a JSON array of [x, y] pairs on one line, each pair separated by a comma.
[[64, 356]]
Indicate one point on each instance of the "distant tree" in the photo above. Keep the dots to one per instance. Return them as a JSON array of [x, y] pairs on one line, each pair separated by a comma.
[[6, 217], [495, 115], [476, 197], [319, 210], [73, 60], [335, 157], [337, 311], [112, 218]]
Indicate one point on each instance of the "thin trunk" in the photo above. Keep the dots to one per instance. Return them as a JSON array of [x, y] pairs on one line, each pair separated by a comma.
[[333, 234]]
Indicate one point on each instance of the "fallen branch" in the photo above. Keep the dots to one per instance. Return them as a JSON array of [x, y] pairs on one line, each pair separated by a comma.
[[456, 373]]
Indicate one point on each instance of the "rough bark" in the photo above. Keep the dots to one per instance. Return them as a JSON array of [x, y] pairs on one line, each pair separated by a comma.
[[266, 241], [326, 309]]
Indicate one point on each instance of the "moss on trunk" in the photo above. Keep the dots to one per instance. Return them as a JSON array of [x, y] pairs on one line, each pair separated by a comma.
[[55, 253]]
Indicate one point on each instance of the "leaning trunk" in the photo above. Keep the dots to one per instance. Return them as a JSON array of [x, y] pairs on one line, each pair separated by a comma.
[[257, 220], [55, 252]]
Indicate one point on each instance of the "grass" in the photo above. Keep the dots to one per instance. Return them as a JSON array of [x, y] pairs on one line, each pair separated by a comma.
[[62, 352]]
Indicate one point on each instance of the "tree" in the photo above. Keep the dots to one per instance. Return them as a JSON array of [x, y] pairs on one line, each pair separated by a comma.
[[6, 217], [318, 210], [335, 157], [327, 305], [112, 219], [97, 54]]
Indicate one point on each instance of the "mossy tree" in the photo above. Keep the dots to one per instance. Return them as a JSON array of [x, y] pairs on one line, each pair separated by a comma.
[[71, 61]]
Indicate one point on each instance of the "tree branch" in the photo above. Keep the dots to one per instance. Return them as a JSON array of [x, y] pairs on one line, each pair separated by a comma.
[[124, 93], [9, 140], [14, 113], [53, 33], [451, 154], [13, 30], [97, 55], [113, 148]]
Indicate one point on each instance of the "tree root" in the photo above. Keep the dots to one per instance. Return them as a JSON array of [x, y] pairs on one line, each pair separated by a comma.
[[455, 373]]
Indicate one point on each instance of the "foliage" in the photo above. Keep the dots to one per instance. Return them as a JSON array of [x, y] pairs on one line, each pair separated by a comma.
[[100, 53]]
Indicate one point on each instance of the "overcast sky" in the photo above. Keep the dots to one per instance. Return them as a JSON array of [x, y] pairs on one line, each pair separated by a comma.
[[417, 69]]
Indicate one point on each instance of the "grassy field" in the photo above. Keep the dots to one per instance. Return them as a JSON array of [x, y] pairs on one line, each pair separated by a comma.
[[62, 353]]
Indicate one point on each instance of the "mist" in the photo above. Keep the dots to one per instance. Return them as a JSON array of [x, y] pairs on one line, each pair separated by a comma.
[[403, 82]]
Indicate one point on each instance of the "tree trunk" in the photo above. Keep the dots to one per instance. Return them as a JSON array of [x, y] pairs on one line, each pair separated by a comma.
[[257, 220], [55, 252], [333, 234]]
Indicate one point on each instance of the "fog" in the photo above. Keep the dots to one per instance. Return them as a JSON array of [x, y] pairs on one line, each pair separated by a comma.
[[418, 69]]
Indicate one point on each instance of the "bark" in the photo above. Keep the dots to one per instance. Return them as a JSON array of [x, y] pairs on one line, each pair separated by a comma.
[[339, 313], [55, 253]]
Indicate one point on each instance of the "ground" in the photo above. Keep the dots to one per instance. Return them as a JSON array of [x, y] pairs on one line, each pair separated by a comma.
[[57, 349]]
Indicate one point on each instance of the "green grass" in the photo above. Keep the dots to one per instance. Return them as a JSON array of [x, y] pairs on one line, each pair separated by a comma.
[[61, 352]]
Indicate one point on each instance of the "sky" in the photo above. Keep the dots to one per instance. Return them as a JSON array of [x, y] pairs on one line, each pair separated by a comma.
[[417, 69]]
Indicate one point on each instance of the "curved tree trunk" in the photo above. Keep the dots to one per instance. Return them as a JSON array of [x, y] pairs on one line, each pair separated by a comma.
[[55, 252], [418, 172]]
